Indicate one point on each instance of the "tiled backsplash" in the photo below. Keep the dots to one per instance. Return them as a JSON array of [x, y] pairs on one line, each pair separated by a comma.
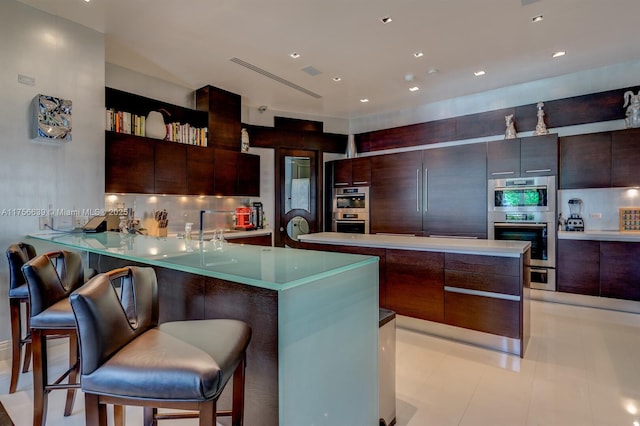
[[180, 209], [595, 202]]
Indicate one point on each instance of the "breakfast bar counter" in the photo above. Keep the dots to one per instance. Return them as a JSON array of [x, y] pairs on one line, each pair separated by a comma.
[[314, 316], [473, 290]]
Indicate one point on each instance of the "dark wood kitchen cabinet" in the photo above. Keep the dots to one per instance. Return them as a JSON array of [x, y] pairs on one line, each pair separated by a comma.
[[599, 268], [625, 158], [170, 168], [578, 268], [236, 173], [415, 284], [129, 164], [523, 157], [620, 270], [200, 166], [396, 188], [352, 172], [600, 160], [224, 110], [456, 191], [585, 161], [498, 309]]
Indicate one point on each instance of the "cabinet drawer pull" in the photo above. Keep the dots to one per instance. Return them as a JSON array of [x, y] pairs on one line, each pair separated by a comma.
[[340, 184], [490, 294], [360, 182], [538, 171], [502, 173]]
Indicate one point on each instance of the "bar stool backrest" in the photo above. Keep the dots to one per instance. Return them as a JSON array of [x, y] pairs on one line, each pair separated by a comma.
[[17, 255], [106, 322], [52, 277]]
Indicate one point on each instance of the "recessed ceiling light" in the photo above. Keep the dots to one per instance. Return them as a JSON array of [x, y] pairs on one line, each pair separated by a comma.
[[538, 18], [414, 89], [418, 54], [294, 55], [432, 71], [364, 100], [336, 79], [479, 73], [558, 54], [409, 77], [385, 19]]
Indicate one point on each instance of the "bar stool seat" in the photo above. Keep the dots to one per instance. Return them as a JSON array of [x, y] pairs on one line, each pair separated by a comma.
[[128, 359]]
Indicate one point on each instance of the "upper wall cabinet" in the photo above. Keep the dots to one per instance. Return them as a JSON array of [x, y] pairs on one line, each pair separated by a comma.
[[523, 157], [585, 161], [139, 164], [600, 160], [224, 116], [352, 172], [625, 158]]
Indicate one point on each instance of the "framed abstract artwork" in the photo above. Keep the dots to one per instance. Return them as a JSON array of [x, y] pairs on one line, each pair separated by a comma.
[[52, 119]]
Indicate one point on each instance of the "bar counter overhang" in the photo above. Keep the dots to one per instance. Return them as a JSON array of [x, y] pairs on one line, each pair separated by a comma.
[[313, 358]]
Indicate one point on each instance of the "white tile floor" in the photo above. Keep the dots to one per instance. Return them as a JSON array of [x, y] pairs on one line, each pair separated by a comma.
[[582, 367]]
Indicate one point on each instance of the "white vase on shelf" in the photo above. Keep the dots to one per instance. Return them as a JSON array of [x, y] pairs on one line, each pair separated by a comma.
[[154, 126]]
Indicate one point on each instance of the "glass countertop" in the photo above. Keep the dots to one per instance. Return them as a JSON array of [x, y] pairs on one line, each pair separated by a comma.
[[273, 268]]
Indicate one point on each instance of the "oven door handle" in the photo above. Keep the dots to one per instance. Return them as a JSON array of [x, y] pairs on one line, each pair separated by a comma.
[[520, 225]]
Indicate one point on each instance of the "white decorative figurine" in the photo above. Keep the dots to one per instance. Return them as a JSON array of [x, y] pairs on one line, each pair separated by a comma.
[[633, 111], [510, 133], [541, 128], [244, 138]]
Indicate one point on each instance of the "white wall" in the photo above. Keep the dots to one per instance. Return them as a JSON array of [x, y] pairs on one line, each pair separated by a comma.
[[67, 61]]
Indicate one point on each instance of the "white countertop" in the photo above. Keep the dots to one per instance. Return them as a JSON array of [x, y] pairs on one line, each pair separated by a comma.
[[600, 235], [447, 245]]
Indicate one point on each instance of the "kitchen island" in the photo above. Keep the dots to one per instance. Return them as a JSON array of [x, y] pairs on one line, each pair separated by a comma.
[[471, 290], [314, 316]]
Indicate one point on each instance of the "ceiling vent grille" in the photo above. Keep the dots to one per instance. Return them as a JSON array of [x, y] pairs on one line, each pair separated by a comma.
[[274, 77]]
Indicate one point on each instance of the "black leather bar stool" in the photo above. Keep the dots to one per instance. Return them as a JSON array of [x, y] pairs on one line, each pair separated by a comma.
[[51, 277], [128, 359], [17, 255]]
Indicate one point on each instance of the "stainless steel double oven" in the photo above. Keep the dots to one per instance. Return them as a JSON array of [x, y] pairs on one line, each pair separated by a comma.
[[524, 209], [351, 210]]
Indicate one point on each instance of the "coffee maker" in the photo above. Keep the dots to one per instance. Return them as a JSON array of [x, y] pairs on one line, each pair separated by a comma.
[[575, 221], [256, 215]]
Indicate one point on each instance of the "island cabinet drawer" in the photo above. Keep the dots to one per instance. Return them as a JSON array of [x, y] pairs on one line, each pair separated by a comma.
[[482, 264], [486, 314], [415, 284], [493, 283]]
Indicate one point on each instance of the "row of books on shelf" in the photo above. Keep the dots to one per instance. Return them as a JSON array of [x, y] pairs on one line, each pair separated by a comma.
[[133, 124]]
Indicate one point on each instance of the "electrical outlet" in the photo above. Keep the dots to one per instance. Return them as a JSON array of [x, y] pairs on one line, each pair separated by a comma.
[[595, 215], [45, 222]]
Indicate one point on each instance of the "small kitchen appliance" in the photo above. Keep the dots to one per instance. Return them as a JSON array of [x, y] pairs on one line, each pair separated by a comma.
[[257, 213], [575, 221], [243, 218]]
